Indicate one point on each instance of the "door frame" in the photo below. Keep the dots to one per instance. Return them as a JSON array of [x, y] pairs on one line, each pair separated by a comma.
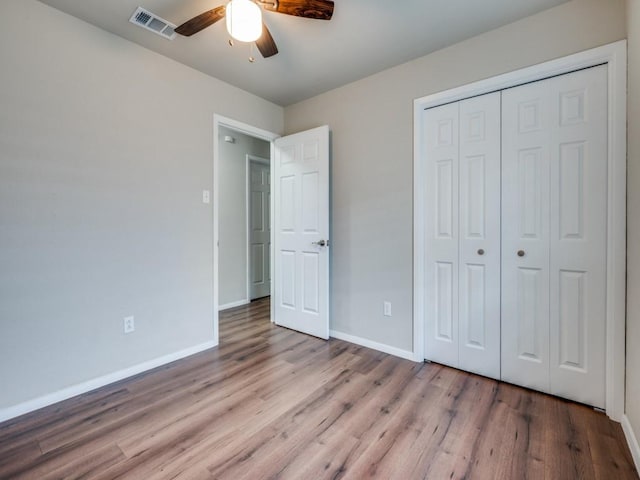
[[221, 121], [265, 161], [613, 55]]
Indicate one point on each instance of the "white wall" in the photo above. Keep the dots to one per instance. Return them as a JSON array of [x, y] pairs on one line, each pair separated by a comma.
[[372, 127], [105, 148], [232, 270], [633, 222]]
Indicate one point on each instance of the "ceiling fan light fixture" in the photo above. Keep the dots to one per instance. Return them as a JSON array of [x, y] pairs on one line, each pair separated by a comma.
[[244, 20]]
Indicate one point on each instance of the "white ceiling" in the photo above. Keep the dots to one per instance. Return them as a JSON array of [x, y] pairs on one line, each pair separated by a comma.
[[364, 37]]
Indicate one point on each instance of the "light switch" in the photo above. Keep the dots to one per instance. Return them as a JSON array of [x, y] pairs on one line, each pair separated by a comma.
[[206, 196]]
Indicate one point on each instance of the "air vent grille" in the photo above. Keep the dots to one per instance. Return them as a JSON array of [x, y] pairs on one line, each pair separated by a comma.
[[145, 19]]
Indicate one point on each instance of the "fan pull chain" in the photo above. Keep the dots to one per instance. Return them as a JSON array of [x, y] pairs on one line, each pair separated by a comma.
[[251, 57]]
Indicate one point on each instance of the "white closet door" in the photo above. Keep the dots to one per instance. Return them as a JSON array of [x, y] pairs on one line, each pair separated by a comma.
[[526, 134], [441, 228], [554, 235], [578, 230], [479, 271]]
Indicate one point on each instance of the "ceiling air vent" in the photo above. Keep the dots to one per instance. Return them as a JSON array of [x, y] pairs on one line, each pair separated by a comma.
[[145, 19]]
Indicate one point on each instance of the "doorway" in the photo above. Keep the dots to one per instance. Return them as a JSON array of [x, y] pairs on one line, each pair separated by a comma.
[[300, 180], [235, 143], [242, 157]]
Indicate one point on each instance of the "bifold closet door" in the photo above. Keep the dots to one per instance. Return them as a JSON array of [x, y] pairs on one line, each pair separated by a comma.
[[479, 229], [441, 229], [526, 130], [554, 221], [463, 235]]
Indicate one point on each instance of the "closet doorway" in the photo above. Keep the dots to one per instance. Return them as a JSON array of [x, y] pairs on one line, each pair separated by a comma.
[[547, 315], [515, 249]]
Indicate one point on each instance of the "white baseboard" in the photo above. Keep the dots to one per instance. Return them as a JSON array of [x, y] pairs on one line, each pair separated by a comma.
[[632, 440], [381, 347], [84, 387], [239, 303]]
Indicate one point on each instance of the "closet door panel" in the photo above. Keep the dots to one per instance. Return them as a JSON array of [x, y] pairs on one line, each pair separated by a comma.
[[578, 229], [479, 273], [441, 229], [526, 125]]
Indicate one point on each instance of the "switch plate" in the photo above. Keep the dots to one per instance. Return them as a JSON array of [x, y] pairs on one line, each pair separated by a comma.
[[206, 196], [129, 324], [387, 309]]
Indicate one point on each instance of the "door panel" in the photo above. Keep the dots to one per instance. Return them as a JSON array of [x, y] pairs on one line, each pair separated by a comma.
[[463, 235], [531, 282], [310, 214], [571, 320], [259, 230], [578, 228], [311, 274], [287, 206], [554, 186], [441, 256], [445, 197], [302, 203], [476, 291], [526, 125], [287, 290], [444, 311], [257, 262], [530, 169], [479, 243]]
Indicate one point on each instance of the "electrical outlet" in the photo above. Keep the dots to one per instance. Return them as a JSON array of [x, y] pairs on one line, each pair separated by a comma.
[[206, 196], [387, 309], [129, 324]]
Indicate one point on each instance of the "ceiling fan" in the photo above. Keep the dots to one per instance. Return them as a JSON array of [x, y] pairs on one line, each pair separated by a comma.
[[244, 19]]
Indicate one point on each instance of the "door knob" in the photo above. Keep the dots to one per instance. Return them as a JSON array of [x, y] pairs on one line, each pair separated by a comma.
[[521, 253], [480, 251], [321, 243]]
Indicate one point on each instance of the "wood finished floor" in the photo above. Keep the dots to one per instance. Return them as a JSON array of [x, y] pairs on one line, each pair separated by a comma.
[[273, 403]]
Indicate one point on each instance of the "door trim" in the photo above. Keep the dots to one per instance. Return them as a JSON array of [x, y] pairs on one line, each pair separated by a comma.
[[252, 158], [221, 121], [614, 56]]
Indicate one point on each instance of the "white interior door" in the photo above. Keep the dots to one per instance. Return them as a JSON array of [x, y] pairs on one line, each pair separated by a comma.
[[479, 272], [441, 233], [301, 225], [259, 229], [554, 235]]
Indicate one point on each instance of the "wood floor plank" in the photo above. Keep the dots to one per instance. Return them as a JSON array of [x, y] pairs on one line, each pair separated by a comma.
[[56, 416], [22, 455], [323, 457], [269, 402], [86, 466]]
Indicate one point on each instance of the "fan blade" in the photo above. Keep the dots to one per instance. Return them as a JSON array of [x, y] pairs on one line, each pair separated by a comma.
[[266, 44], [201, 22], [318, 9]]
